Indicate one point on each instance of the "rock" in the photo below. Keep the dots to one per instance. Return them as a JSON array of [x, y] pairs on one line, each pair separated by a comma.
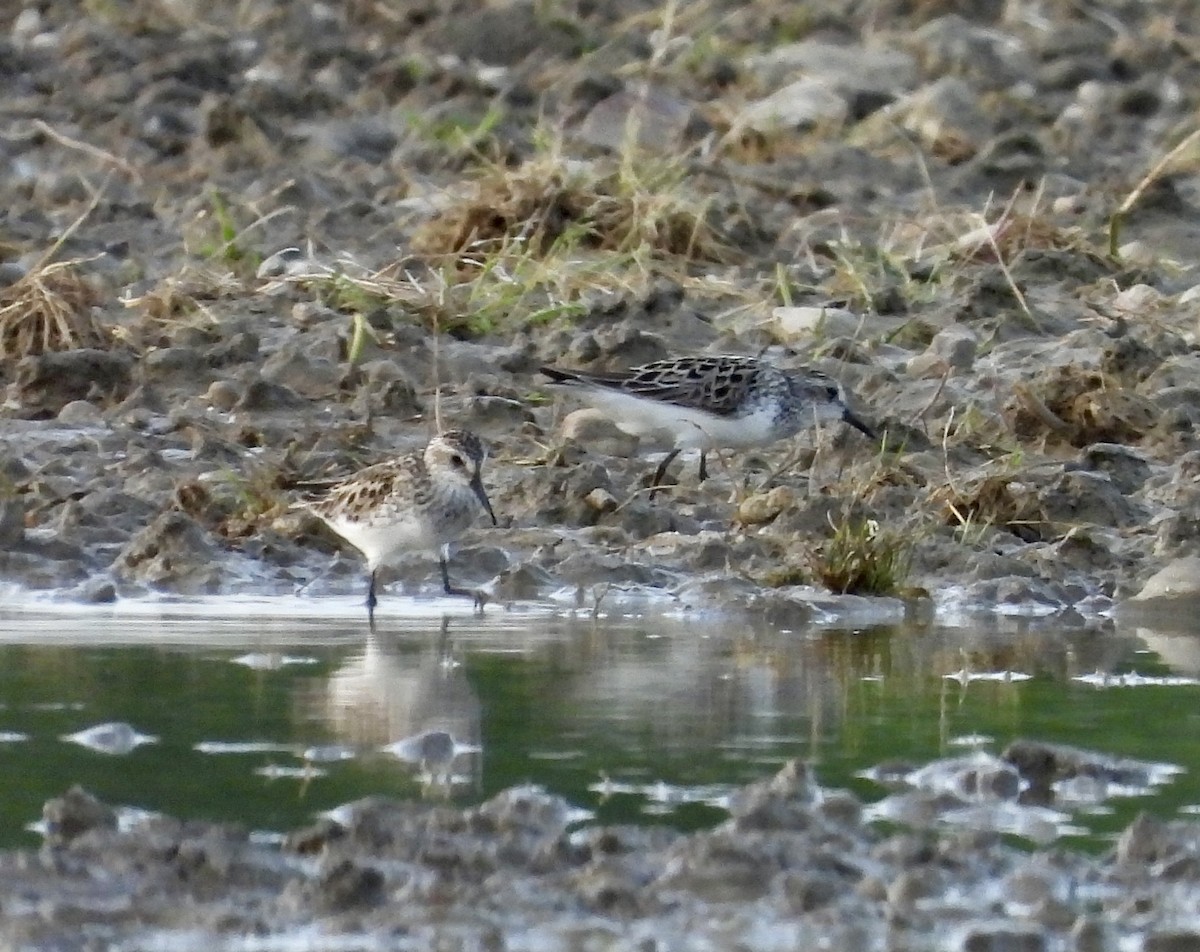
[[1083, 497], [1175, 587], [1173, 940], [601, 500], [315, 378], [762, 508], [238, 348], [596, 431], [1089, 934], [957, 346], [801, 322], [178, 365], [647, 118], [805, 892], [945, 117], [849, 69], [506, 35], [1004, 937], [96, 591], [909, 888], [585, 479], [800, 105], [348, 885], [80, 413], [223, 395], [172, 552], [1145, 841], [12, 521], [75, 813], [262, 395]]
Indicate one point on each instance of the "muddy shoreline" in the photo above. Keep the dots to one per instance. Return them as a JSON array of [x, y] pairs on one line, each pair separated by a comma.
[[794, 863], [921, 214]]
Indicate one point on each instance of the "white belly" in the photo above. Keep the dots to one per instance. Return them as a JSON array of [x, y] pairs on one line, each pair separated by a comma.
[[381, 539], [688, 429]]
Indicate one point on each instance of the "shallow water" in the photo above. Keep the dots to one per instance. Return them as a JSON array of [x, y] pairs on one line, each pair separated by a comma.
[[267, 712]]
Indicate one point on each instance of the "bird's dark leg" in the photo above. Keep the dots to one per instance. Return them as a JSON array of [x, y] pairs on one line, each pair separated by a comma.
[[703, 466], [372, 601], [450, 589], [479, 597], [659, 473]]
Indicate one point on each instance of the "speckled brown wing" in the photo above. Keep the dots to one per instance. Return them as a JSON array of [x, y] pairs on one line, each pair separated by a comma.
[[367, 490], [717, 385]]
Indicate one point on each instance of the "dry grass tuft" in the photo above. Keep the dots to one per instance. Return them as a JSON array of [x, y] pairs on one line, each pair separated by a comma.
[[546, 200], [50, 309]]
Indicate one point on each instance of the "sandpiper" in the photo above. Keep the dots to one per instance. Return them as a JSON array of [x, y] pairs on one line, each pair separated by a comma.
[[711, 402], [424, 500]]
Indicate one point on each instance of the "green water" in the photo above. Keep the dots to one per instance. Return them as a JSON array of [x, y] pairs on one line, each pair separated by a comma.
[[682, 708]]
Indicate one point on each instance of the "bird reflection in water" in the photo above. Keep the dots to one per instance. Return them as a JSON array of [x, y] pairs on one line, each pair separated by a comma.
[[415, 707]]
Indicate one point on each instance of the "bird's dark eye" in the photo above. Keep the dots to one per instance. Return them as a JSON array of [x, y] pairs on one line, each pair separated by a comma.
[[832, 392], [457, 461]]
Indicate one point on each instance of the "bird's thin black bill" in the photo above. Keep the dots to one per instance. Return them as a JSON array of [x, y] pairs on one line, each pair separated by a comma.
[[858, 424], [481, 495]]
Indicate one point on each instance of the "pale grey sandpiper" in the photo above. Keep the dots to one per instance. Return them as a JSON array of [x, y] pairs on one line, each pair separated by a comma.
[[421, 501], [711, 402]]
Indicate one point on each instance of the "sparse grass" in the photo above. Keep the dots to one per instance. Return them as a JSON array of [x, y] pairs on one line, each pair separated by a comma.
[[924, 260], [533, 245], [508, 292], [359, 335], [1168, 162], [50, 308], [219, 237], [863, 558], [363, 294], [456, 133], [185, 296], [863, 273]]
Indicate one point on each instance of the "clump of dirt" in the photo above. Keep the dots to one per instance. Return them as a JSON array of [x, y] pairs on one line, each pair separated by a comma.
[[1003, 501], [1078, 406]]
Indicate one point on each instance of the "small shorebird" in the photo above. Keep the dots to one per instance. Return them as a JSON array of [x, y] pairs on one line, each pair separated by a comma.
[[708, 403], [424, 500]]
